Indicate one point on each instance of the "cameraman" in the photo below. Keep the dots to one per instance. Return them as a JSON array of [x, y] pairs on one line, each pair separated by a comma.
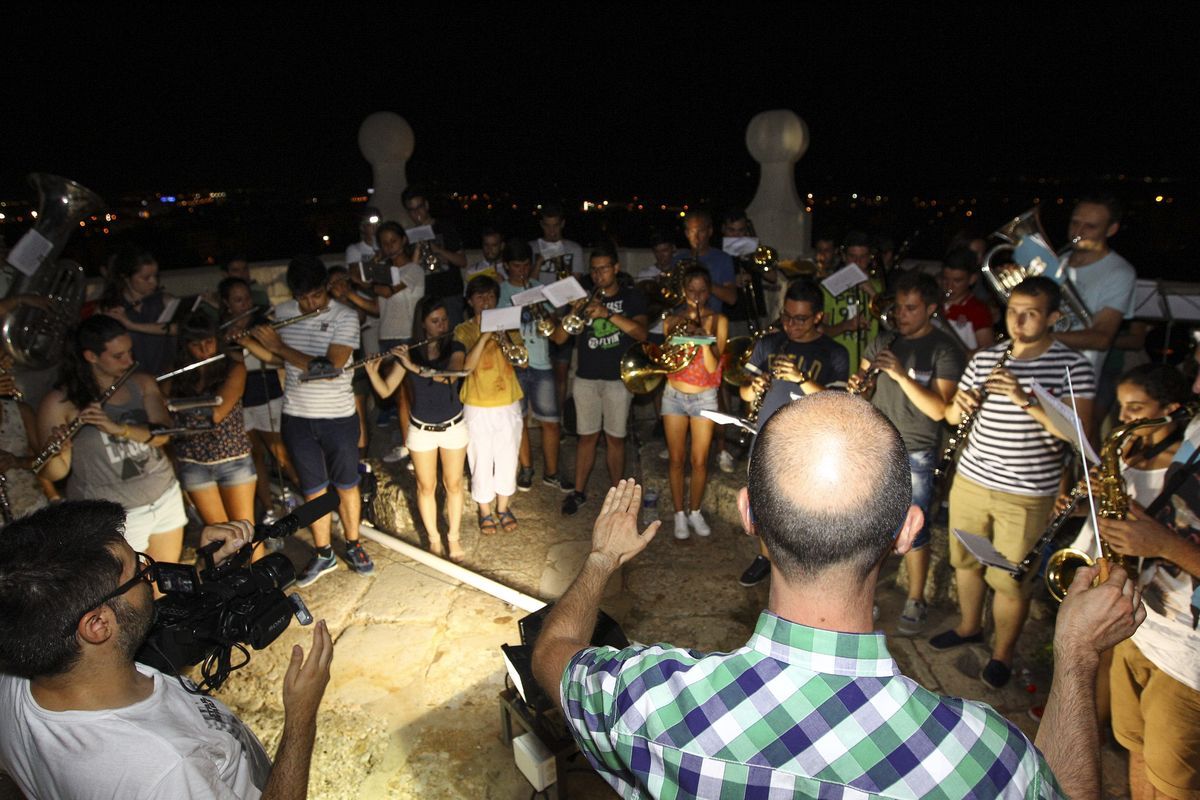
[[79, 719]]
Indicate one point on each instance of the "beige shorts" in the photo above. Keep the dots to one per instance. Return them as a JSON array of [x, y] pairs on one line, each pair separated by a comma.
[[1013, 523], [601, 404], [1159, 717], [453, 438]]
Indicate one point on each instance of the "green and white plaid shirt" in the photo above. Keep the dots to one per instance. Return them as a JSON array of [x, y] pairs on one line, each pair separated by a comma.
[[797, 712]]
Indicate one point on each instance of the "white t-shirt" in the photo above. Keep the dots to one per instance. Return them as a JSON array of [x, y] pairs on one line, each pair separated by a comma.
[[396, 312], [1107, 283], [578, 265], [360, 251], [331, 398], [171, 745]]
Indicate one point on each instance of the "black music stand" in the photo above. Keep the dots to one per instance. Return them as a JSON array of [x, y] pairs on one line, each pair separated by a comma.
[[1167, 301]]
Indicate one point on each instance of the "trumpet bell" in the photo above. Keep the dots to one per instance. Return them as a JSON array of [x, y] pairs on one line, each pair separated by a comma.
[[1061, 569]]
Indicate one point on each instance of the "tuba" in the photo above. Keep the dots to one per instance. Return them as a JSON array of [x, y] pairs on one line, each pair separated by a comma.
[[1113, 504], [35, 336], [1031, 256]]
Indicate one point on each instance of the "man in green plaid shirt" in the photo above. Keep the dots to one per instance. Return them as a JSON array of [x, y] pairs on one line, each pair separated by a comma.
[[813, 705]]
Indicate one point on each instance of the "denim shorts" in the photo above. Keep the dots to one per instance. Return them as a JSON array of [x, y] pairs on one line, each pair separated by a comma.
[[195, 476], [681, 404], [538, 387], [323, 451], [920, 463]]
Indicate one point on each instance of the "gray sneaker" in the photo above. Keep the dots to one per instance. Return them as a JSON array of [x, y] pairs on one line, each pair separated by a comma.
[[912, 618], [316, 568]]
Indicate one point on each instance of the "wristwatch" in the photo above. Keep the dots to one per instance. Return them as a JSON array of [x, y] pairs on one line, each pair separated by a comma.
[[1030, 401]]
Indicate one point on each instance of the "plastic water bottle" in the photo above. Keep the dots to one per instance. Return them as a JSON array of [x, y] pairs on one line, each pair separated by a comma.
[[649, 505]]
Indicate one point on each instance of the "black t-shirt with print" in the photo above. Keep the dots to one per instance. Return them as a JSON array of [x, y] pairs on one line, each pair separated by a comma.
[[602, 344]]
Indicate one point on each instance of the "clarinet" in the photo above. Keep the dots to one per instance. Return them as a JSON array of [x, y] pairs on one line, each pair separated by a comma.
[[56, 446], [872, 374], [958, 439]]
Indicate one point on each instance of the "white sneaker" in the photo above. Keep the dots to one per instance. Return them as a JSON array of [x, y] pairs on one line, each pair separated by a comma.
[[664, 454], [724, 461], [399, 453], [681, 525], [696, 521]]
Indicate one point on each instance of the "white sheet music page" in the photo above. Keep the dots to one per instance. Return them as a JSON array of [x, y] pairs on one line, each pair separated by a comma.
[[845, 278]]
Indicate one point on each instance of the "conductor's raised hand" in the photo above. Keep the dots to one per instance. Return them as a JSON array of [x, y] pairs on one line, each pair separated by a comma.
[[306, 679], [615, 535], [1093, 619]]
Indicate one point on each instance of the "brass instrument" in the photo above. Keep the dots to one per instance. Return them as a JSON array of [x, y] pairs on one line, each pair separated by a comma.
[[738, 351], [883, 308], [573, 323], [869, 379], [958, 439], [670, 283], [35, 336], [426, 257], [562, 265], [56, 446], [517, 354], [1031, 256], [282, 323], [645, 365], [546, 323], [16, 392], [1113, 503], [6, 512]]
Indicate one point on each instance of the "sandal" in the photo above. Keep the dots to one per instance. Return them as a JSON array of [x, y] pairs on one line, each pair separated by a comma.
[[487, 525], [435, 546], [456, 552], [508, 521]]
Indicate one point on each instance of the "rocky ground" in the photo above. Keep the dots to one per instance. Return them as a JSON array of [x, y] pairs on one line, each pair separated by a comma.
[[412, 708]]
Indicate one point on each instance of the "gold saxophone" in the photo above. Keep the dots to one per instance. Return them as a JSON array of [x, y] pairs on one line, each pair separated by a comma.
[[1112, 503]]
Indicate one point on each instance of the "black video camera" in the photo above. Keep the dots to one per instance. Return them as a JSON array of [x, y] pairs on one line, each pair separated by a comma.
[[206, 614]]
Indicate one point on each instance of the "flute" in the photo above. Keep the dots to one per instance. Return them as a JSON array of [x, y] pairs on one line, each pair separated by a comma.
[[283, 323], [76, 425]]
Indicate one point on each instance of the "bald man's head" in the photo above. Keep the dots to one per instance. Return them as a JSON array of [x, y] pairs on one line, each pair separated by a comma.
[[829, 485]]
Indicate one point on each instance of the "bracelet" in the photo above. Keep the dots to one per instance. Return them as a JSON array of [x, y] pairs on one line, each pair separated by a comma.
[[125, 431]]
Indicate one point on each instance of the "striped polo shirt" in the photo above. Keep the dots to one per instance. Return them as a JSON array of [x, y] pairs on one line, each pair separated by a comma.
[[1008, 450], [325, 399]]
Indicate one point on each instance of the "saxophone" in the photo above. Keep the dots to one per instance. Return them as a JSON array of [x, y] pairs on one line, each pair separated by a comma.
[[958, 439], [1112, 503]]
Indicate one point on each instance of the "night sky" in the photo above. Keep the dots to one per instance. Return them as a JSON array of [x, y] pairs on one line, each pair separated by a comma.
[[619, 100]]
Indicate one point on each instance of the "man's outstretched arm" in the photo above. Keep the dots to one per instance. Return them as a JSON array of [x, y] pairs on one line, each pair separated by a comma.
[[303, 687], [1090, 621], [569, 626]]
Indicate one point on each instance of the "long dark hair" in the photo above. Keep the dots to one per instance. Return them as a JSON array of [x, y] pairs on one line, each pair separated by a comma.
[[76, 378], [196, 328], [426, 306], [125, 264]]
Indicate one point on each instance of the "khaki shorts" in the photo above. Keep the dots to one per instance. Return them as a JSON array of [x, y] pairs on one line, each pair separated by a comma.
[[1013, 523], [1159, 717], [600, 403]]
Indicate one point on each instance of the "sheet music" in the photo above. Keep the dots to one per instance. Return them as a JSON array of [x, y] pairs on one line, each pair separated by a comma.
[[550, 249], [845, 278], [565, 291], [985, 553], [534, 295], [727, 419], [1063, 417], [29, 253], [739, 245], [500, 319], [168, 311], [421, 233]]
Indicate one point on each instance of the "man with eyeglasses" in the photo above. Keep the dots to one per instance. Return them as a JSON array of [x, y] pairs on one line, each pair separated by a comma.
[[919, 367], [793, 362], [80, 719], [616, 320]]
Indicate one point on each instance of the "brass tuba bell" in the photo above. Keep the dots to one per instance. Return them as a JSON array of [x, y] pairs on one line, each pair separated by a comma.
[[35, 336]]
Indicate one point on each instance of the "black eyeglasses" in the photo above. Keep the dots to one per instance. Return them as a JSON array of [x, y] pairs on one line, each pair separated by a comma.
[[799, 319], [144, 572]]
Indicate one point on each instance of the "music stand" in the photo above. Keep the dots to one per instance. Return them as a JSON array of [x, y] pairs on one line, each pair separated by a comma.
[[1166, 301]]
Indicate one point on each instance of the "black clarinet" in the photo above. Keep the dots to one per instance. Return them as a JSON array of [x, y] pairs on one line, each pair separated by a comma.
[[962, 431]]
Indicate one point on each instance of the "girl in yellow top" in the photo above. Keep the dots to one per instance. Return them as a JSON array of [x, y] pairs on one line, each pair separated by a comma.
[[491, 399]]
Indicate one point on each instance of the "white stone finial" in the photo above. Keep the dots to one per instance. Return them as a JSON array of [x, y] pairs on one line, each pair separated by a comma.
[[386, 140], [777, 139]]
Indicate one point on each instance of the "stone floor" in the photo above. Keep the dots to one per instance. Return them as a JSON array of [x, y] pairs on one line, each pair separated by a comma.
[[411, 709]]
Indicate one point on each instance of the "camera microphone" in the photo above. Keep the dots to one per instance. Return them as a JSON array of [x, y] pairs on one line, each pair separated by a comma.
[[302, 517]]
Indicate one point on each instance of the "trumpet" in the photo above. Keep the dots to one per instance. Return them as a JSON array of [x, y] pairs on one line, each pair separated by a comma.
[[426, 257], [573, 323], [545, 320], [282, 323], [56, 446], [517, 354]]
